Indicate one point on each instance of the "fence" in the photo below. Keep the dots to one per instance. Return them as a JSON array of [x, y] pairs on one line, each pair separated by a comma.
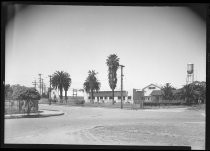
[[71, 100], [165, 103], [20, 106]]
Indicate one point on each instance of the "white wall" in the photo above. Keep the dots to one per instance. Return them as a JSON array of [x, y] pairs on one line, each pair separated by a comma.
[[148, 91], [56, 93]]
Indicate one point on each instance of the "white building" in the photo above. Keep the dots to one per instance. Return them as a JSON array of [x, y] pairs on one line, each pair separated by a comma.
[[106, 96], [55, 94], [148, 90]]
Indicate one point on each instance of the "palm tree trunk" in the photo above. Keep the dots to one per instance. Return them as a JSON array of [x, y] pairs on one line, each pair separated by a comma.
[[61, 93], [112, 96], [66, 96], [92, 96], [28, 107]]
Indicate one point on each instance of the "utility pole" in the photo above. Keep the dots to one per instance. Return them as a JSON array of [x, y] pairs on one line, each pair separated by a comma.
[[50, 90], [42, 86], [34, 83], [121, 85], [40, 83]]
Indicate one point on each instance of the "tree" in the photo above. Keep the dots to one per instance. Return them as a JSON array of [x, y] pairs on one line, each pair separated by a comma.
[[91, 83], [30, 95], [188, 94], [67, 84], [193, 92], [58, 81], [167, 92], [113, 64], [199, 89], [8, 91], [202, 90], [17, 90]]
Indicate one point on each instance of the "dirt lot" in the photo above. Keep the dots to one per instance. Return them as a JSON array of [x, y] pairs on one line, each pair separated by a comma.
[[99, 126]]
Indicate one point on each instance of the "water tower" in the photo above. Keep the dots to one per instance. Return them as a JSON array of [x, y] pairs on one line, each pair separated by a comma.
[[190, 73]]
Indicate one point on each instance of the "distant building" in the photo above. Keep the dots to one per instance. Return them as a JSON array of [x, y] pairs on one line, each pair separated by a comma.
[[106, 96], [148, 91]]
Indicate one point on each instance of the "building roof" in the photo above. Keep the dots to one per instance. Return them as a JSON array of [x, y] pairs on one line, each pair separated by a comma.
[[151, 85], [156, 92], [176, 91], [109, 93]]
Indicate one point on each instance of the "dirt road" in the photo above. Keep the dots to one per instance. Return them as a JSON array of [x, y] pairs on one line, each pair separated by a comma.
[[97, 126]]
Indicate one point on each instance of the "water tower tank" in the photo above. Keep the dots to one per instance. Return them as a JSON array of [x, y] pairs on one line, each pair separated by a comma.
[[190, 68]]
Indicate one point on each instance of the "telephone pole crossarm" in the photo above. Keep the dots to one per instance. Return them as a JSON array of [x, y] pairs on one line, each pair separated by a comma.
[[34, 83]]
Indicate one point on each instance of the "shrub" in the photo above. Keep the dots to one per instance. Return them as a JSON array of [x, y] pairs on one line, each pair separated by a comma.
[[79, 102], [164, 103]]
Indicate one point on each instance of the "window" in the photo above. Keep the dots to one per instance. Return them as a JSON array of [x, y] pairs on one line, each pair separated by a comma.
[[123, 97], [151, 87], [110, 97], [119, 97], [129, 97], [105, 97], [93, 98], [101, 97], [89, 97]]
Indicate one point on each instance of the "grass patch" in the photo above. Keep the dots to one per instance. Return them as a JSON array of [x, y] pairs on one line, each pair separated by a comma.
[[199, 107]]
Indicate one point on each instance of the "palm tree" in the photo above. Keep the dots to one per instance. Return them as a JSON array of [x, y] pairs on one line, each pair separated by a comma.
[[67, 84], [91, 84], [167, 92], [113, 64], [58, 81]]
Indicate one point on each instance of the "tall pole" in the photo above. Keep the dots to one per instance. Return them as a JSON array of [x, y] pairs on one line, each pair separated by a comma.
[[122, 85], [44, 88], [50, 90], [40, 84]]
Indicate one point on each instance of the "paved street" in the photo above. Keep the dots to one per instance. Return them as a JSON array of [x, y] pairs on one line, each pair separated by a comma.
[[87, 125]]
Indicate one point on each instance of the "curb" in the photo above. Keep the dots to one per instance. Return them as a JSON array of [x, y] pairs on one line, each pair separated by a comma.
[[44, 113]]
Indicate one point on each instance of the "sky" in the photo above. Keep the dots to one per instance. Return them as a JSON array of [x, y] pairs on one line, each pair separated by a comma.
[[153, 43]]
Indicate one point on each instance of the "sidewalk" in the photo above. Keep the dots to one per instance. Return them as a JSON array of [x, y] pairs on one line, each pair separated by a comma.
[[41, 113]]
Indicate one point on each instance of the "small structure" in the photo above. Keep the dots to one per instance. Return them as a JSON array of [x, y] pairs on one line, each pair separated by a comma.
[[55, 95], [156, 95], [138, 96]]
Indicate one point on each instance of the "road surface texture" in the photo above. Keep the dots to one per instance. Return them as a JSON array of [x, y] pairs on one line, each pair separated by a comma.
[[104, 126]]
